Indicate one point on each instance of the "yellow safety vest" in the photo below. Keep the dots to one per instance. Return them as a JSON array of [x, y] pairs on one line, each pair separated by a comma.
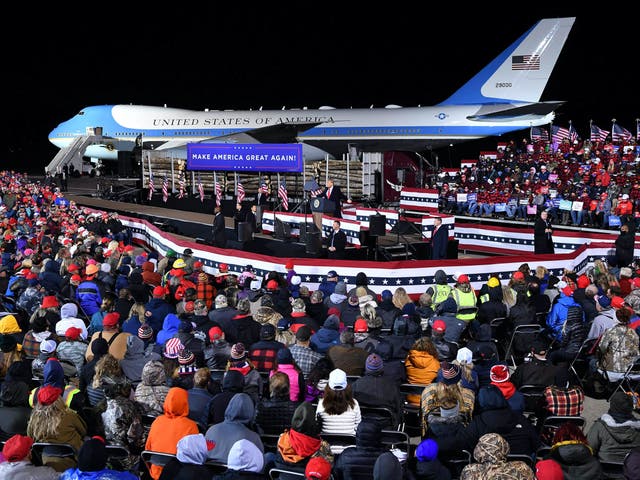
[[67, 395], [465, 300], [440, 294]]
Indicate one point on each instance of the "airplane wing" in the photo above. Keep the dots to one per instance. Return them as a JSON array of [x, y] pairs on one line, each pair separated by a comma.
[[279, 133]]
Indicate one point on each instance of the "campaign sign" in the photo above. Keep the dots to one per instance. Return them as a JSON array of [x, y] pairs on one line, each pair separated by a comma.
[[245, 157]]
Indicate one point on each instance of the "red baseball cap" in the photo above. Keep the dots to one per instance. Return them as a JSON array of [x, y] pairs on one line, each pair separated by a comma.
[[318, 468], [439, 326], [360, 326]]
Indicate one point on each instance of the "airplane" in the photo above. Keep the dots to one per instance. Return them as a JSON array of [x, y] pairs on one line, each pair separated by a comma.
[[503, 97]]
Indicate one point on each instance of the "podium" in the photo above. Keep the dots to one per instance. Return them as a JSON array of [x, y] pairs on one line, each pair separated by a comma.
[[322, 205]]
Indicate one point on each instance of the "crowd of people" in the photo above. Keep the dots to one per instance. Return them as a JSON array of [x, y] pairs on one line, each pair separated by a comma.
[[580, 183], [104, 343]]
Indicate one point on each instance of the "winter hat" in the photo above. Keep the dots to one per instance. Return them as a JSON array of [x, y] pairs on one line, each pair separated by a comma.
[[304, 420], [583, 281], [451, 373], [172, 348], [111, 319], [49, 301], [341, 288], [39, 324], [360, 326], [318, 469], [92, 456], [298, 305], [374, 363], [518, 275], [499, 373], [284, 356], [245, 456], [332, 322], [272, 285], [493, 282], [189, 306], [99, 346], [48, 346], [386, 294], [439, 326], [73, 333], [221, 301], [238, 351], [334, 311], [354, 301], [283, 324], [215, 333], [145, 331], [186, 357], [296, 280], [17, 448], [427, 450], [621, 405], [243, 306], [48, 394], [549, 470], [332, 274], [267, 332], [68, 310], [464, 355], [337, 379], [159, 292]]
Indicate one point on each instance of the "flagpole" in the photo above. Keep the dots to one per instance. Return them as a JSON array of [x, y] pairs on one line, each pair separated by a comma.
[[235, 179], [613, 129], [591, 130], [215, 184], [637, 130], [280, 204]]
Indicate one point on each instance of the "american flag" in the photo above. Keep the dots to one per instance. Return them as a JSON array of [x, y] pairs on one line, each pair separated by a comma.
[[539, 134], [620, 134], [263, 187], [181, 186], [558, 134], [200, 189], [598, 134], [283, 195], [638, 130], [525, 62], [152, 187], [240, 192], [218, 194], [315, 193], [573, 134], [165, 189]]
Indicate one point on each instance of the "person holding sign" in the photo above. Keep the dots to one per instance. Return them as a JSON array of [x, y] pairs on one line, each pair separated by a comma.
[[542, 234]]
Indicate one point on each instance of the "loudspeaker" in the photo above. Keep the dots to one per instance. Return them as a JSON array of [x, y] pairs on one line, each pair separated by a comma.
[[377, 225], [244, 232], [282, 231], [313, 243]]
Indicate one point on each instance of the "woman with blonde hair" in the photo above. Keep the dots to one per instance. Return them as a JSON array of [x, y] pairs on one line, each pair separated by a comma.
[[401, 298], [10, 352], [109, 366], [421, 365], [53, 422]]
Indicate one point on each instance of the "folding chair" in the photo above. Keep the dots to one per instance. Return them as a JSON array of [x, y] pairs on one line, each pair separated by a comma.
[[396, 440], [612, 469], [383, 415], [270, 441], [551, 423], [581, 361], [40, 449], [529, 329], [629, 381], [338, 442], [275, 473], [149, 457], [116, 455], [533, 398], [411, 414], [456, 463]]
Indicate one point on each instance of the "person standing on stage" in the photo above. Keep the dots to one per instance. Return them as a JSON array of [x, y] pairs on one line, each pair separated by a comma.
[[335, 195], [439, 240], [252, 218], [542, 234], [336, 242], [219, 235]]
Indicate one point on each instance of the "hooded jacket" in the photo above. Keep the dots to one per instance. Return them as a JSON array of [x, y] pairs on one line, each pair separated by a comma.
[[327, 336], [169, 328], [169, 428], [558, 315], [238, 417], [491, 461], [135, 359], [576, 460], [50, 278], [159, 309], [367, 450], [421, 368], [153, 389], [232, 383], [611, 441]]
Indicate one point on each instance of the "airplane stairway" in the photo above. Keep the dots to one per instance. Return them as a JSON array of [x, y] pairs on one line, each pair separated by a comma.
[[72, 155]]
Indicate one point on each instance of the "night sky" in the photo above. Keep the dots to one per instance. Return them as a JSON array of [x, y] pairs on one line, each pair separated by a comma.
[[293, 55]]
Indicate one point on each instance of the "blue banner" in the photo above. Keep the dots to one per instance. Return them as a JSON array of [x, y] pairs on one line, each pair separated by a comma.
[[245, 157]]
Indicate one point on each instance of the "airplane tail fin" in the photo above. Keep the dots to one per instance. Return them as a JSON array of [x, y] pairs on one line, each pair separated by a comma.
[[521, 72]]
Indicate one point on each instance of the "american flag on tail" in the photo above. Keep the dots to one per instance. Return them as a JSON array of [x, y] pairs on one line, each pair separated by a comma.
[[283, 195], [152, 187], [200, 189], [598, 134], [165, 189], [218, 194], [241, 192]]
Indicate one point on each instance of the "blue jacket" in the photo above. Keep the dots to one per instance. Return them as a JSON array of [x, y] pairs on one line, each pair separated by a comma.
[[558, 315], [88, 294], [50, 278], [169, 328], [159, 309]]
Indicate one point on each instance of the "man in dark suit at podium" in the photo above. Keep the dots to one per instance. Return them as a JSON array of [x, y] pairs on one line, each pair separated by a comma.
[[334, 194], [336, 242], [218, 231], [439, 240]]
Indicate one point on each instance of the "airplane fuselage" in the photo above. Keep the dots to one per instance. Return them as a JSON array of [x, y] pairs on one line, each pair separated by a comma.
[[374, 129]]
